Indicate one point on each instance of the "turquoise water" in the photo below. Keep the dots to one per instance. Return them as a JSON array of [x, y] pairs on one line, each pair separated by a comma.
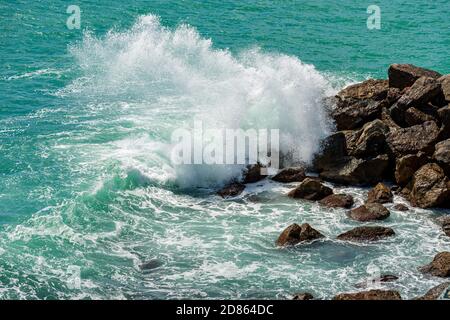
[[85, 122]]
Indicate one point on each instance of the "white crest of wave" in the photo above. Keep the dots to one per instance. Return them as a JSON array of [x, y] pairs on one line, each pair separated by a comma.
[[180, 76]]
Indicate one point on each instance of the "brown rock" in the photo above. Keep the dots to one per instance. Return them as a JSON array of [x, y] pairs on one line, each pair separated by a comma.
[[353, 115], [407, 165], [429, 187], [295, 234], [384, 278], [445, 85], [424, 90], [442, 155], [444, 117], [404, 75], [369, 141], [413, 139], [287, 175], [310, 189], [370, 295], [369, 89], [445, 222], [367, 234], [381, 193], [333, 148], [338, 201], [414, 117], [401, 207], [440, 266], [303, 296], [435, 292], [253, 173], [369, 212], [231, 190]]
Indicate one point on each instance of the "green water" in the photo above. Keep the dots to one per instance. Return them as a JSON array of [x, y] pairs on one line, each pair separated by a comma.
[[86, 117]]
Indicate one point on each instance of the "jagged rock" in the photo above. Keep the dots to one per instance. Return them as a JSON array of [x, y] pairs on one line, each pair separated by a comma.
[[442, 155], [435, 292], [401, 207], [338, 201], [407, 165], [370, 295], [440, 266], [387, 120], [413, 139], [414, 117], [253, 173], [444, 117], [366, 234], [295, 234], [231, 190], [369, 141], [381, 193], [369, 89], [369, 212], [310, 189], [445, 222], [333, 148], [424, 90], [445, 85], [404, 75], [151, 264], [350, 170], [287, 175], [303, 296], [429, 187], [349, 116], [384, 278]]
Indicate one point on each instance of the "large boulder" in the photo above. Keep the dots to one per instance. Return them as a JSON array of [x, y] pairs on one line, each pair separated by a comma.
[[381, 193], [406, 166], [232, 190], [310, 189], [435, 292], [333, 148], [369, 89], [369, 141], [353, 115], [338, 201], [429, 187], [442, 155], [440, 266], [295, 234], [253, 174], [404, 75], [350, 170], [413, 139], [424, 90], [369, 212], [370, 295], [367, 233], [287, 175], [414, 116]]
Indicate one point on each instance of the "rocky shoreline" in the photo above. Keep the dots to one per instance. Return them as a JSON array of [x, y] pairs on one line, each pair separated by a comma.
[[393, 132]]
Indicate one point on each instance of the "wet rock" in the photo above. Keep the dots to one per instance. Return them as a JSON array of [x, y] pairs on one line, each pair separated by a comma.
[[414, 116], [404, 75], [231, 190], [406, 166], [442, 155], [381, 193], [303, 296], [295, 234], [287, 175], [338, 201], [370, 295], [369, 212], [440, 266], [353, 115], [369, 89], [382, 279], [435, 292], [445, 222], [429, 187], [350, 170], [369, 141], [367, 233], [424, 90], [253, 174], [413, 139], [310, 189], [333, 148], [151, 264], [401, 207]]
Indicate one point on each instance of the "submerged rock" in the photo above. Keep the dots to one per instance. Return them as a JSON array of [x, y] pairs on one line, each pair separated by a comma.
[[440, 266], [381, 193], [401, 207], [367, 234], [445, 222], [303, 296], [231, 190], [151, 264], [370, 295], [295, 234], [404, 75], [287, 175], [338, 201], [384, 278], [369, 212], [435, 292], [310, 189], [253, 174]]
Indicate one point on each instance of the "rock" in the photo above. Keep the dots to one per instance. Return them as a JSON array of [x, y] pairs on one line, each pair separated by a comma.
[[303, 296], [231, 190], [445, 86], [369, 141], [387, 120], [369, 89], [424, 90], [440, 266], [338, 201], [151, 264], [382, 279], [445, 222], [400, 207], [442, 155], [381, 193], [413, 139], [310, 189], [352, 115], [295, 234], [406, 166], [444, 117], [429, 187], [350, 170], [414, 117], [367, 234], [287, 175], [253, 174], [370, 295], [369, 212], [404, 75], [435, 292], [333, 148]]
